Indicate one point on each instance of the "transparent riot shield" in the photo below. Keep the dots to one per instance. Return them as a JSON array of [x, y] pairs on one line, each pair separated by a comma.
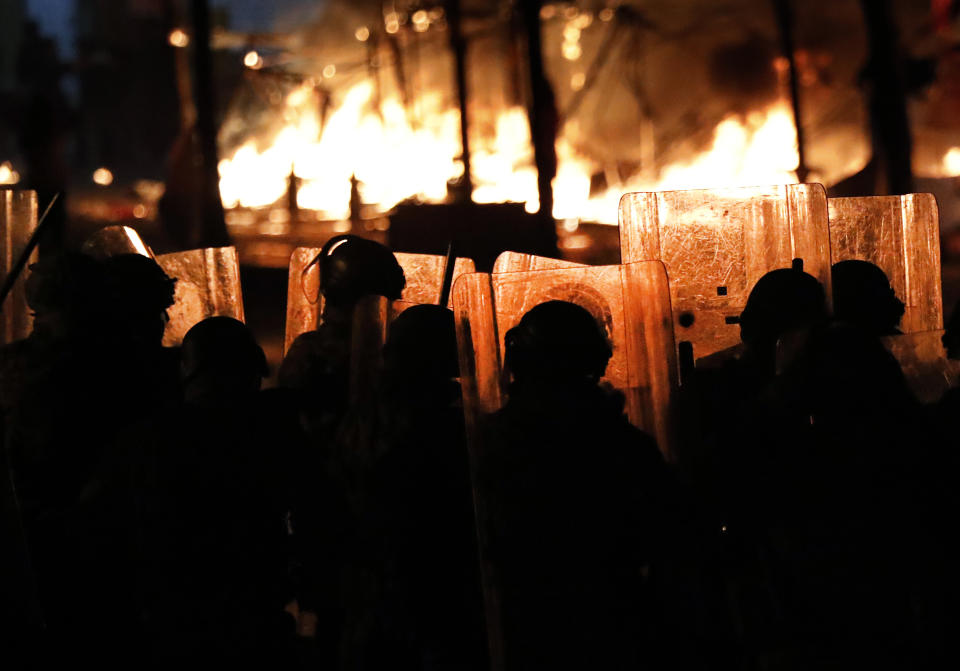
[[113, 241], [208, 285], [900, 235], [631, 302], [372, 317], [423, 274], [18, 221], [924, 363], [517, 262], [716, 244]]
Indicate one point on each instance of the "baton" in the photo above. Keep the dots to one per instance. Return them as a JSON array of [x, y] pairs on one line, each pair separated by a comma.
[[32, 243], [448, 266]]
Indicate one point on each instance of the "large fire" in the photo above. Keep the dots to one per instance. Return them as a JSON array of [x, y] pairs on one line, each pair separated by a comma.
[[395, 159]]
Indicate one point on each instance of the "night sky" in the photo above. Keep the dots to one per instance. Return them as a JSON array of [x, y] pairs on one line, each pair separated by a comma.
[[55, 16]]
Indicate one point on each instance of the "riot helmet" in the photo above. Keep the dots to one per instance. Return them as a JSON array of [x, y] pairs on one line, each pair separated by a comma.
[[557, 341], [66, 293], [352, 267], [422, 342], [781, 301], [862, 295], [222, 348], [139, 293]]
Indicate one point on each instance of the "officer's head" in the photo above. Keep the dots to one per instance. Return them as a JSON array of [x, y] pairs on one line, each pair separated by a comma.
[[862, 295], [782, 301], [139, 294], [557, 342], [352, 267], [422, 342], [66, 293], [220, 361]]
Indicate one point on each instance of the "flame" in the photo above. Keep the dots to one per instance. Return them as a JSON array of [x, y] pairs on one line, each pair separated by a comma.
[[395, 158]]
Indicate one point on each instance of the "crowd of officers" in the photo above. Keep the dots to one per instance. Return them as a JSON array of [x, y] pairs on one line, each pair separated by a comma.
[[161, 510]]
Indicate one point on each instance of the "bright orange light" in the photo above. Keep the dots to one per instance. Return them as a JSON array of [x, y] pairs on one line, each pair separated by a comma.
[[7, 174], [103, 177], [392, 22], [572, 51], [421, 20], [139, 211], [330, 71], [252, 60], [136, 241], [178, 38], [951, 162], [362, 34]]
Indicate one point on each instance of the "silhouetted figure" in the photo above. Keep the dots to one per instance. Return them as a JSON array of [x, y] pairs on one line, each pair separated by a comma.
[[782, 305], [317, 364], [845, 502], [580, 505], [862, 296], [213, 483], [727, 454], [46, 469], [782, 302], [67, 391], [946, 461], [417, 535]]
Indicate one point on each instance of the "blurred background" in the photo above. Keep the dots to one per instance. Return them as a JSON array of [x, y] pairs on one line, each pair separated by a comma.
[[503, 123]]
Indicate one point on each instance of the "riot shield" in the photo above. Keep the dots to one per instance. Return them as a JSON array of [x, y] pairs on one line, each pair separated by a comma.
[[716, 244], [631, 302], [208, 285], [900, 235], [517, 262], [924, 363], [423, 273], [113, 241], [18, 221]]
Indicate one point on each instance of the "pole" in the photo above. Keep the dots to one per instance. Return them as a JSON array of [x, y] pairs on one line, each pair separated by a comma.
[[213, 228], [889, 125], [542, 110], [459, 47], [448, 265], [24, 257], [784, 13]]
